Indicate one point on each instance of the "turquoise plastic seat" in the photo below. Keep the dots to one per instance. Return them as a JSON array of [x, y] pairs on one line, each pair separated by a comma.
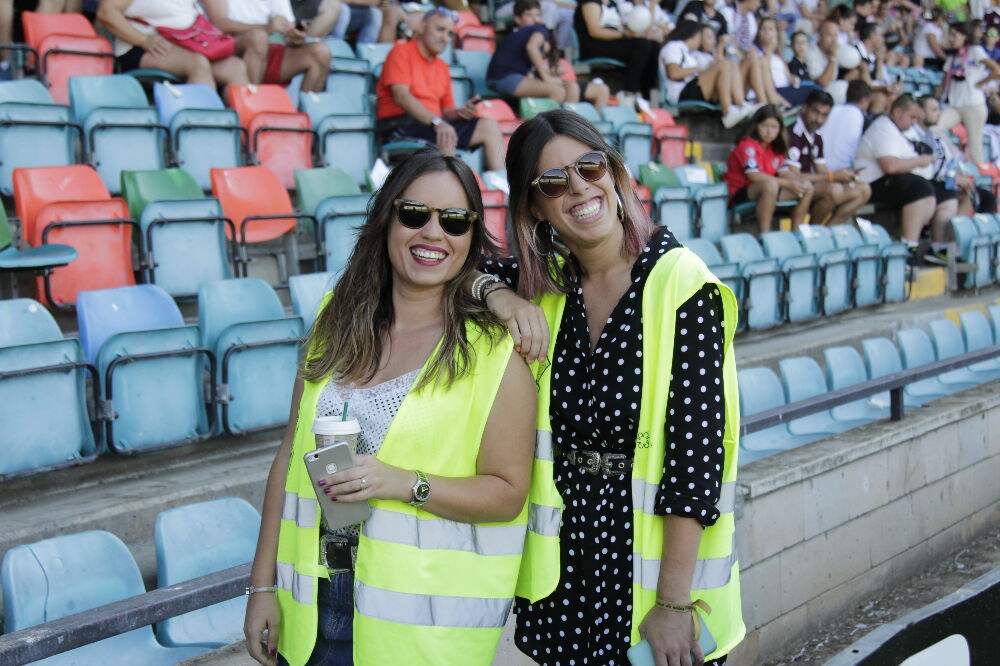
[[122, 132], [760, 390], [845, 367], [836, 266], [588, 111], [947, 340], [803, 275], [977, 335], [257, 348], [203, 133], [476, 63], [150, 402], [764, 280], [34, 130], [195, 540], [674, 207], [24, 321], [802, 378], [915, 350], [894, 261], [375, 54], [974, 248], [307, 292], [869, 264], [39, 260], [340, 219], [346, 139], [65, 575], [633, 137], [711, 199], [727, 272]]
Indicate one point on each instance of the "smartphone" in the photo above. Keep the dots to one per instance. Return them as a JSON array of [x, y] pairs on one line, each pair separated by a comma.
[[641, 654], [475, 99], [324, 462]]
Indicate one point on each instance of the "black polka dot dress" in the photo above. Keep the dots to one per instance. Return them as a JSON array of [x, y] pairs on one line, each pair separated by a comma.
[[595, 406]]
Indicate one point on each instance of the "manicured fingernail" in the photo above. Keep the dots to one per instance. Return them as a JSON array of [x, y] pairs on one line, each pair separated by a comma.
[[334, 499], [327, 491], [321, 483], [273, 651]]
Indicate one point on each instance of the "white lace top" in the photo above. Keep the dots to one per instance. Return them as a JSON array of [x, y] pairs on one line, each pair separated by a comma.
[[374, 407]]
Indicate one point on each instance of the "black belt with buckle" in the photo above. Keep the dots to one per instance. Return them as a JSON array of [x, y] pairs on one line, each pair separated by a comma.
[[596, 462], [337, 553]]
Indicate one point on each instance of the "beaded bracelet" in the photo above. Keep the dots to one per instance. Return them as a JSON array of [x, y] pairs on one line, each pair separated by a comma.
[[480, 283], [489, 289]]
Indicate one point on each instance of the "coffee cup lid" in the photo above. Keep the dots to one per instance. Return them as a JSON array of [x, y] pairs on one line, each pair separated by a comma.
[[332, 425]]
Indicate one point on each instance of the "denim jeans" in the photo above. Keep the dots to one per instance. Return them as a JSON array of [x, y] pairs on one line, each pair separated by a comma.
[[335, 607]]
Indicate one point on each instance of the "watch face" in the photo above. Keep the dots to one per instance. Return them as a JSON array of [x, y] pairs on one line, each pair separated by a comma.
[[421, 492]]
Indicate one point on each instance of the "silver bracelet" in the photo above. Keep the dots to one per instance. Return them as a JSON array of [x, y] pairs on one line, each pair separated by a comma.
[[253, 590], [481, 283]]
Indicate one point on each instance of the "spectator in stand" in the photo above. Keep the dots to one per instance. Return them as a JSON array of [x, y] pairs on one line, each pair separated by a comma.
[[864, 11], [821, 59], [797, 65], [743, 25], [952, 189], [557, 16], [990, 39], [415, 100], [844, 127], [929, 44], [602, 34], [705, 12], [720, 82], [871, 46], [846, 21], [10, 22], [660, 24], [895, 34], [137, 43], [814, 13], [253, 22], [521, 66], [755, 171], [955, 11], [372, 20], [967, 69], [787, 91], [887, 159], [317, 17], [837, 195]]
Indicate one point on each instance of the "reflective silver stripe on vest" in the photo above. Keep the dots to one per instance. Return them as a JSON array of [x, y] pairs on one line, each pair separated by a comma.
[[301, 587], [439, 534], [543, 445], [647, 492], [709, 574], [302, 510], [544, 520], [428, 610]]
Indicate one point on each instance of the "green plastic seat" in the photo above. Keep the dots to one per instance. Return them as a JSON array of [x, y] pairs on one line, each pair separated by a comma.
[[140, 188], [529, 107], [314, 185]]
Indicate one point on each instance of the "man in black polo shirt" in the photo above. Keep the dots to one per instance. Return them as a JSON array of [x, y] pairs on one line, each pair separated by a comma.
[[837, 195]]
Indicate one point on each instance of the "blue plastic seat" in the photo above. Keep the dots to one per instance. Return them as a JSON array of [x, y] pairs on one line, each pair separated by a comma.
[[947, 340], [122, 132], [868, 264], [711, 199], [39, 260], [195, 540], [341, 218], [760, 390], [476, 64], [803, 275], [375, 54], [633, 138], [894, 261], [43, 393], [674, 207], [203, 133], [977, 335], [257, 347], [915, 350], [34, 130], [882, 358], [845, 367], [307, 292], [765, 284], [349, 75], [588, 111], [973, 248], [150, 367], [346, 139], [836, 265], [50, 579], [727, 272], [802, 378]]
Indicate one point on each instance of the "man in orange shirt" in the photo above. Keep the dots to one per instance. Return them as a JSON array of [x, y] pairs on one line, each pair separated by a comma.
[[415, 100]]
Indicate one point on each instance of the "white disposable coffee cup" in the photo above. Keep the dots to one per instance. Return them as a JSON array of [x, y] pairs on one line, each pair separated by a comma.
[[330, 429]]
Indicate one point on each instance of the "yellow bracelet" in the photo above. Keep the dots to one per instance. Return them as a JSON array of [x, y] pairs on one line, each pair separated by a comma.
[[674, 608]]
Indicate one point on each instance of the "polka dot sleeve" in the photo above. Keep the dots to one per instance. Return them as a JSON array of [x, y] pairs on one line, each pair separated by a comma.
[[692, 475], [504, 268]]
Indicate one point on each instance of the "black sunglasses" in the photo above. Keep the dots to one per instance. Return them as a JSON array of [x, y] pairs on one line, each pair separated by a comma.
[[554, 182], [454, 221]]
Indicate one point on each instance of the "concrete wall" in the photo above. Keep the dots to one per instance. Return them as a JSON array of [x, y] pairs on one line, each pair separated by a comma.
[[821, 528]]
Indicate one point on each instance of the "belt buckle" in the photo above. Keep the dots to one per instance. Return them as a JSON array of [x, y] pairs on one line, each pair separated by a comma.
[[326, 540], [609, 460], [590, 461]]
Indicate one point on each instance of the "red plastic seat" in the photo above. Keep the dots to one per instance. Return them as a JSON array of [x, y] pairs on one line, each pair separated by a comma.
[[250, 192], [645, 194], [672, 142], [495, 216], [67, 45], [476, 38], [280, 137], [500, 111], [35, 188]]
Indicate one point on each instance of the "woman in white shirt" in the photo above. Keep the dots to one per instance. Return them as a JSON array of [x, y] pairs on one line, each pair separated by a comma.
[[783, 88], [719, 81], [928, 46], [138, 44], [967, 69]]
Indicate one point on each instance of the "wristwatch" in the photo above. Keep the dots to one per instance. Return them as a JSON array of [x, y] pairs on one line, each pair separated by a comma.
[[435, 121], [421, 490]]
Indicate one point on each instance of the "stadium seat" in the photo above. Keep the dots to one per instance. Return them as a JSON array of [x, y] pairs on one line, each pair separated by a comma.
[[67, 45], [529, 107], [280, 137], [332, 197], [195, 540], [307, 291], [257, 347], [475, 64], [836, 266], [595, 64], [203, 133], [375, 54], [989, 227], [763, 297], [42, 392], [760, 390], [673, 205], [915, 350], [150, 366], [633, 137], [587, 110], [349, 75], [461, 85], [711, 201], [994, 312], [121, 130], [39, 260], [53, 578], [973, 248], [257, 202], [671, 144], [802, 378], [500, 111], [845, 367], [947, 340], [894, 260], [346, 138], [472, 35], [977, 335], [141, 188], [495, 217], [727, 272], [882, 358], [803, 275], [34, 130], [71, 206], [869, 264]]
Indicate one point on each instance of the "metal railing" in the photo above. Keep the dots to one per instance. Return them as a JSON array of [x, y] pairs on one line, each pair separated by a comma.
[[119, 617]]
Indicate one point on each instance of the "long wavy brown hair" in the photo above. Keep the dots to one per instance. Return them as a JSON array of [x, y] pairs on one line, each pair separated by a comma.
[[348, 339]]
